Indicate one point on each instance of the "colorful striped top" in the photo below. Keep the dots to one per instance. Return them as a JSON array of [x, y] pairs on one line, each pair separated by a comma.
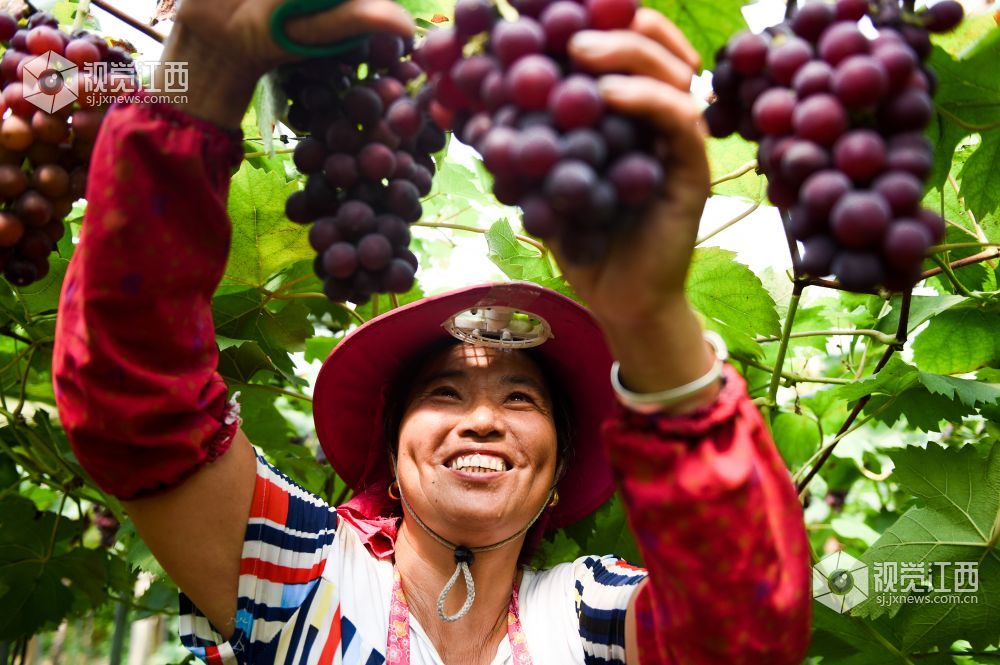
[[310, 593]]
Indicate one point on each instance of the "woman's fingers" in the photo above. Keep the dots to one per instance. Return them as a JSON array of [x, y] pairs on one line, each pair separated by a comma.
[[629, 52], [670, 110], [355, 17], [657, 27]]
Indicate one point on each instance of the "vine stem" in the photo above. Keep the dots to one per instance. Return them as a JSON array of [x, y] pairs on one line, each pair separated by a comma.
[[793, 249], [938, 249], [902, 330], [743, 215], [779, 362], [130, 20], [275, 389], [955, 281], [969, 260], [733, 175], [791, 376], [265, 153], [965, 125], [81, 13], [475, 229], [16, 413], [858, 332]]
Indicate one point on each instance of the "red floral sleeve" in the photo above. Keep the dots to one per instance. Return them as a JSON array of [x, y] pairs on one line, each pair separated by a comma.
[[720, 528], [135, 353]]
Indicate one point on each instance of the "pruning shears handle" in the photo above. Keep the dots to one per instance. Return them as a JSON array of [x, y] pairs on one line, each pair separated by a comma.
[[295, 8]]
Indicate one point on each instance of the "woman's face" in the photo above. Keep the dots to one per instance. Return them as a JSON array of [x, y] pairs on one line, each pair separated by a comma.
[[474, 400]]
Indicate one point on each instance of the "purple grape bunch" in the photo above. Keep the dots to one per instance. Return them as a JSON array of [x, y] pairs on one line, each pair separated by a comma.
[[580, 173], [367, 158], [839, 119]]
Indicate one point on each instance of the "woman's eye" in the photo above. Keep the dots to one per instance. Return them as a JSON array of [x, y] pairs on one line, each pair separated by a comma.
[[521, 396], [444, 391]]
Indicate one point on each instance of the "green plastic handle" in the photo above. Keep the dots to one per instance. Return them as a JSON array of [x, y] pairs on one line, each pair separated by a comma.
[[295, 8]]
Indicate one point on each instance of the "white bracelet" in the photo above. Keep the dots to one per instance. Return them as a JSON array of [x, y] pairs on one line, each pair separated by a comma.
[[649, 403]]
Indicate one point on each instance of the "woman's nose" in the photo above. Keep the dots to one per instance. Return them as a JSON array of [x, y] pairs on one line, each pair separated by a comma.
[[482, 420]]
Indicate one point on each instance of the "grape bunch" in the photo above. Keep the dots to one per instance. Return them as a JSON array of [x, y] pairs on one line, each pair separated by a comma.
[[43, 156], [367, 158], [580, 173], [839, 119]]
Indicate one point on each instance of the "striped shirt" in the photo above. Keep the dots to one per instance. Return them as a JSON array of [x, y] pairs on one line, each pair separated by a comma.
[[310, 593]]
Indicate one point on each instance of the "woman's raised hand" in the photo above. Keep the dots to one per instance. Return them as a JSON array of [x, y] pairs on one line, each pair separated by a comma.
[[228, 45], [647, 72]]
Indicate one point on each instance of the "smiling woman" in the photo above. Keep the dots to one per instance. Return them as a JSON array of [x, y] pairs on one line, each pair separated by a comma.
[[467, 424]]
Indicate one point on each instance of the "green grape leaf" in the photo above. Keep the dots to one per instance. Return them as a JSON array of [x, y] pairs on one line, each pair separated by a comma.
[[516, 259], [265, 424], [264, 241], [796, 436], [318, 348], [708, 25], [731, 298], [956, 519], [978, 175], [959, 340], [922, 308]]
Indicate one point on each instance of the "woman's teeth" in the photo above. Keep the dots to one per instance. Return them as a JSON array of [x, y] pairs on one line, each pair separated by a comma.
[[478, 464]]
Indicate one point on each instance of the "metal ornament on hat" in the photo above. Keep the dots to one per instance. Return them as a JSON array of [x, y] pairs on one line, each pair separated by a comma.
[[498, 327]]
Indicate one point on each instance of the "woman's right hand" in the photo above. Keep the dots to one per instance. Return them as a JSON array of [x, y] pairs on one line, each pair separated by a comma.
[[227, 46]]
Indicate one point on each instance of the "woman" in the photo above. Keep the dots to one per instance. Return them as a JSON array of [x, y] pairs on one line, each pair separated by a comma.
[[460, 452]]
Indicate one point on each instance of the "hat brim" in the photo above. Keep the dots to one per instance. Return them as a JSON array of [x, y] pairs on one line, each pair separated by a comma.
[[349, 396]]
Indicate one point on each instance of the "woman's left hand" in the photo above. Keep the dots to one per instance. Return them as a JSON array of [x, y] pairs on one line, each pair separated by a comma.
[[645, 269]]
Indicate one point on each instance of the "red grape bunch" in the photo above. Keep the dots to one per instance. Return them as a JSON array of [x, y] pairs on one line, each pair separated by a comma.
[[368, 162], [43, 156], [839, 119], [508, 88]]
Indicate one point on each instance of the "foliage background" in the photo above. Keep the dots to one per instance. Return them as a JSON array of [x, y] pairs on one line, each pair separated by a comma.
[[901, 465]]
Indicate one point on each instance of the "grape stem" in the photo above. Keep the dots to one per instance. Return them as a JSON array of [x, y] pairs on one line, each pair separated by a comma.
[[955, 281], [969, 260], [791, 377], [743, 215], [938, 249], [859, 332], [837, 286], [741, 171], [265, 153], [779, 361], [793, 248], [81, 13], [902, 330], [393, 301], [790, 7], [131, 20], [966, 125], [277, 390], [475, 229]]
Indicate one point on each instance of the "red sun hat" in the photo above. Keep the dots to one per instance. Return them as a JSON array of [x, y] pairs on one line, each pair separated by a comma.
[[350, 391]]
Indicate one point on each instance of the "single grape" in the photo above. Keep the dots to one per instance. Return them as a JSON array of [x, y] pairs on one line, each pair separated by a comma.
[[725, 81], [388, 90], [722, 119], [858, 271], [840, 41], [19, 41], [431, 139], [49, 128], [860, 82], [493, 94], [772, 112], [752, 88], [898, 62], [321, 197], [585, 145], [374, 252], [916, 38], [403, 199], [475, 129], [376, 161], [821, 191], [748, 53], [820, 118], [509, 190], [636, 177], [781, 193], [539, 219], [568, 185], [802, 224], [851, 10], [817, 256], [560, 21], [933, 222], [16, 133], [911, 110], [363, 105], [860, 154], [603, 209], [469, 74], [785, 59], [21, 272], [497, 149], [532, 8], [297, 208], [51, 180], [13, 98], [905, 244], [575, 102], [422, 180], [13, 181], [536, 152], [395, 230], [439, 51], [11, 229], [405, 166], [399, 276], [813, 78], [901, 190], [309, 155], [511, 40], [43, 39], [33, 209], [943, 16], [473, 17], [405, 118], [8, 26], [324, 233], [405, 71], [384, 49], [802, 159], [10, 63], [340, 170], [611, 14], [811, 20], [42, 18], [860, 219], [530, 80], [81, 52], [340, 260]]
